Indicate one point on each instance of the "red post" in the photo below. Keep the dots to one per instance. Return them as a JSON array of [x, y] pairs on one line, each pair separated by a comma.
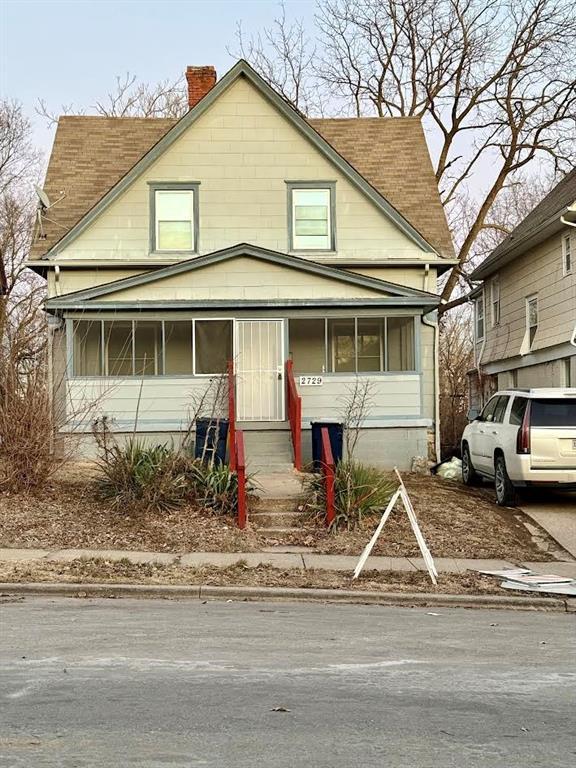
[[241, 474], [294, 406], [329, 476], [231, 415]]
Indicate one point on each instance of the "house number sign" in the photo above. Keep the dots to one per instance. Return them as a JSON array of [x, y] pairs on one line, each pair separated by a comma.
[[311, 381]]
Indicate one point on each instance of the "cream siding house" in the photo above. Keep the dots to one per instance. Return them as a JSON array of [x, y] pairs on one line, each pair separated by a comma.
[[525, 309], [240, 233]]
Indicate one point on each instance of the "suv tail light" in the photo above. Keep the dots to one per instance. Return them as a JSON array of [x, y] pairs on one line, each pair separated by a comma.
[[523, 436]]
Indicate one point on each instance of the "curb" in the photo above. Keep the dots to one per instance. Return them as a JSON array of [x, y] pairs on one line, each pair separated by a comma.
[[209, 592]]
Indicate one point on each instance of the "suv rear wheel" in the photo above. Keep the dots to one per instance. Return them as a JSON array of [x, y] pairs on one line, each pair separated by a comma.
[[505, 491], [469, 475]]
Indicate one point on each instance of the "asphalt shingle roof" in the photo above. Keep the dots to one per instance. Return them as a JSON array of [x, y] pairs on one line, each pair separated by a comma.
[[91, 154], [563, 195]]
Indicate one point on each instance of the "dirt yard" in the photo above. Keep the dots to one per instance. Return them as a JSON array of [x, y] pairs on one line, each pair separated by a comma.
[[103, 571], [456, 522]]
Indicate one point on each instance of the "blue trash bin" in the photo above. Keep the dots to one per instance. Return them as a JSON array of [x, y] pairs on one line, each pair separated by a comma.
[[336, 435], [211, 439]]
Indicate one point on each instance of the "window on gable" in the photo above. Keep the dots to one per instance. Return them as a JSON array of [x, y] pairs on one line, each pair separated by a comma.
[[567, 255], [495, 301], [311, 219], [531, 318], [174, 219], [480, 318]]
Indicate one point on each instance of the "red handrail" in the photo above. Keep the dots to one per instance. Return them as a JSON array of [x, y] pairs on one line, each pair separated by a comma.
[[294, 404], [231, 415], [240, 463], [328, 472]]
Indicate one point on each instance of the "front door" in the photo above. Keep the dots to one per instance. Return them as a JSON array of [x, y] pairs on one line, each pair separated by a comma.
[[260, 370]]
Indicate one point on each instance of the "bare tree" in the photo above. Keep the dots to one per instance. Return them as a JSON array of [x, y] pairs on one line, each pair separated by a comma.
[[456, 358], [130, 98], [491, 80]]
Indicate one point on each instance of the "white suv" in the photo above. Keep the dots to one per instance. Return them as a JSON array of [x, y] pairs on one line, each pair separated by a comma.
[[522, 438]]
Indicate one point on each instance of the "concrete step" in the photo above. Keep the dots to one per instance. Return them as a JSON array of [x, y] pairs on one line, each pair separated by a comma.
[[275, 519], [274, 532]]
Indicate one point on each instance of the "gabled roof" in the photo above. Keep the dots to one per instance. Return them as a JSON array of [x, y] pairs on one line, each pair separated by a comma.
[[542, 222], [401, 295], [95, 158]]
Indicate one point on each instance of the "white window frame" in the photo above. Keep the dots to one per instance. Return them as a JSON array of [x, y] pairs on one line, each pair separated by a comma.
[[495, 301], [567, 255], [312, 186], [480, 303], [529, 300]]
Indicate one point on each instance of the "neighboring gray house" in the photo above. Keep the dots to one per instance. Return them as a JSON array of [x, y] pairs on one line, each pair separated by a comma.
[[525, 309]]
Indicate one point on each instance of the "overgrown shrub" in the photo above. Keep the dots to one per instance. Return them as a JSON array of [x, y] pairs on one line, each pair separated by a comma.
[[137, 477], [142, 478], [359, 491]]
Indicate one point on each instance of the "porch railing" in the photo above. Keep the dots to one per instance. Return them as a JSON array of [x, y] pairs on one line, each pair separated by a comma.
[[240, 464], [231, 415], [328, 471], [294, 406]]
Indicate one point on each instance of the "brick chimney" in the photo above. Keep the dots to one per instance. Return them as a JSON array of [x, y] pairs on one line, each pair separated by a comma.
[[200, 81]]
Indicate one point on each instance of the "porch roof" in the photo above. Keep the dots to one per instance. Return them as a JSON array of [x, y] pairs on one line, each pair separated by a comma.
[[371, 291]]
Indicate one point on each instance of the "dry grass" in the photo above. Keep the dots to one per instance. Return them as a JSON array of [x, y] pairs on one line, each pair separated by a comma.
[[456, 521], [103, 571]]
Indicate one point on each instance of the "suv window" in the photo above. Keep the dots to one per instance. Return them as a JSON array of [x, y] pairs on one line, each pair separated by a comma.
[[518, 410], [553, 413], [488, 412], [500, 409]]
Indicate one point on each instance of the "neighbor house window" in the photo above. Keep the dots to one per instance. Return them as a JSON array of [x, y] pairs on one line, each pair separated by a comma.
[[352, 345], [567, 254], [495, 300], [311, 217], [480, 318], [174, 217], [151, 347], [531, 318]]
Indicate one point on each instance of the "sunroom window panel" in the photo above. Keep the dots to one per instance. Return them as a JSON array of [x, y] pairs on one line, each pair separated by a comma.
[[118, 348], [370, 346], [213, 345], [308, 344], [400, 344], [343, 345], [174, 220], [178, 347], [87, 348], [148, 348]]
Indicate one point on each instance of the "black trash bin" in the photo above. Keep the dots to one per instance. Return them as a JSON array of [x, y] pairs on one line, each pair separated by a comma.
[[211, 438], [336, 435]]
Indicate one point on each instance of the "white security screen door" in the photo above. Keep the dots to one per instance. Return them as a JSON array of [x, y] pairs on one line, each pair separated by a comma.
[[260, 370]]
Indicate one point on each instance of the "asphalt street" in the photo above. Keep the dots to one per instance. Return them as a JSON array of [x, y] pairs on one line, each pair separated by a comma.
[[159, 683]]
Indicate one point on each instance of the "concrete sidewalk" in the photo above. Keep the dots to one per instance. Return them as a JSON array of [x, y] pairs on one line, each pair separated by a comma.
[[282, 560]]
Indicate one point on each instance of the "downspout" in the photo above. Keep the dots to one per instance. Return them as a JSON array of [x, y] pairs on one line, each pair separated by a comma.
[[433, 323]]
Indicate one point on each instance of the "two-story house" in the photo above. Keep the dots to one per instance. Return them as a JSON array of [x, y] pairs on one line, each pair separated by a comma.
[[525, 308], [244, 232]]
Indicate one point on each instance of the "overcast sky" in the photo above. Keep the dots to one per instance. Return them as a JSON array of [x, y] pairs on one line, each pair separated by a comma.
[[69, 52]]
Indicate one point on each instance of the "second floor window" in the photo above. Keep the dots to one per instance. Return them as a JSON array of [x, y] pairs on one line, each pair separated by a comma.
[[480, 318], [311, 218], [495, 301], [174, 214], [566, 255], [531, 318]]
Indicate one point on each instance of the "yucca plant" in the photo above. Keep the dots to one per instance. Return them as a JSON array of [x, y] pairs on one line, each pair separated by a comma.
[[359, 491], [216, 486], [140, 478]]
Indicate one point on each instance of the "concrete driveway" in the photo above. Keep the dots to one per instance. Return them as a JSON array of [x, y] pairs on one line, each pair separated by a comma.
[[556, 513]]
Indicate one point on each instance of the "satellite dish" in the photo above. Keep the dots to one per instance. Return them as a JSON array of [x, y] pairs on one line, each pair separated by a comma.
[[42, 197]]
